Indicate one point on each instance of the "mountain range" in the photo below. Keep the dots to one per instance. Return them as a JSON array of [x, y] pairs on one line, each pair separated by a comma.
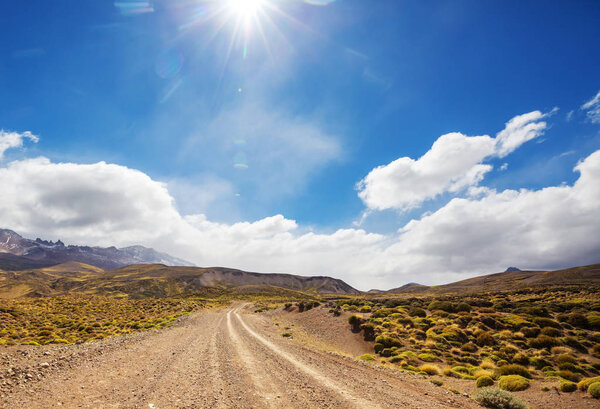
[[44, 268], [18, 253]]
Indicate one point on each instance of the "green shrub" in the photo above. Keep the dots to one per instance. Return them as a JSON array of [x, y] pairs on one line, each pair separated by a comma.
[[594, 321], [543, 341], [574, 343], [513, 369], [484, 381], [287, 335], [521, 359], [462, 307], [566, 358], [441, 305], [469, 347], [368, 331], [513, 383], [584, 384], [540, 363], [530, 332], [594, 390], [551, 332], [365, 308], [417, 312], [366, 357], [356, 322], [387, 341], [427, 357], [546, 322], [496, 399], [569, 375], [395, 358], [567, 386]]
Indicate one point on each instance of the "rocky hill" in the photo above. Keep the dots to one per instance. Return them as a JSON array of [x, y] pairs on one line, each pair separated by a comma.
[[18, 253]]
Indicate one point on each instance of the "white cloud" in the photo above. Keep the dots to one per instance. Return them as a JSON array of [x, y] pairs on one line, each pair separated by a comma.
[[504, 166], [14, 140], [552, 227], [569, 115], [105, 204], [452, 164], [519, 130], [593, 109], [95, 204]]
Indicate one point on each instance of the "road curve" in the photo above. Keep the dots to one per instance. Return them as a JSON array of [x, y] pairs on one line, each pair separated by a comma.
[[224, 358]]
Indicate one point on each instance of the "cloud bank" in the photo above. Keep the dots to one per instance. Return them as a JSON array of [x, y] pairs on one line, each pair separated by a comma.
[[107, 204], [453, 163]]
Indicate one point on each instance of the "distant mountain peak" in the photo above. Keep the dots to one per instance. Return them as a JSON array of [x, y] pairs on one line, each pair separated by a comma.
[[18, 253], [511, 269]]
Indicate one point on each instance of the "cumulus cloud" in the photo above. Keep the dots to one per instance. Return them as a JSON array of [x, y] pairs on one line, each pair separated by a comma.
[[105, 204], [14, 140], [96, 204], [592, 108], [549, 228], [453, 163]]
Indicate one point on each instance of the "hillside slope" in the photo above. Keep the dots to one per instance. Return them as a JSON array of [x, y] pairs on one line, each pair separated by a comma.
[[156, 280], [514, 279]]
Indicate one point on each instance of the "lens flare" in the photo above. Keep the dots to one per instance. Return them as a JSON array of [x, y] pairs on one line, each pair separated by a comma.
[[168, 63], [128, 8]]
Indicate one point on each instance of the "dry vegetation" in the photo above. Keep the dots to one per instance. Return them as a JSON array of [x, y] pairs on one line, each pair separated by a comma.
[[506, 340], [71, 319]]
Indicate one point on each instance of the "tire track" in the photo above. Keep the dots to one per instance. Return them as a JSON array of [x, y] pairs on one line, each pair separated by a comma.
[[351, 398], [268, 390]]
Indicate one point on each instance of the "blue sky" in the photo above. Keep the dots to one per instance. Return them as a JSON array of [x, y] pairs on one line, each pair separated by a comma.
[[243, 127]]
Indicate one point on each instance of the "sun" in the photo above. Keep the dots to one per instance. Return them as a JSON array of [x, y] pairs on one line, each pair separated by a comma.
[[245, 8]]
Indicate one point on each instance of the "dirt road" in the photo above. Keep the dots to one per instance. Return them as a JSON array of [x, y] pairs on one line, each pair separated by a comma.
[[227, 358]]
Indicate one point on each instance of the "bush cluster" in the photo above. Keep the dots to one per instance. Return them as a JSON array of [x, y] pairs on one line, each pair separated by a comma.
[[70, 319]]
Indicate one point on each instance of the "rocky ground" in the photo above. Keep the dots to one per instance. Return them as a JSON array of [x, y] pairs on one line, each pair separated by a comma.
[[226, 358]]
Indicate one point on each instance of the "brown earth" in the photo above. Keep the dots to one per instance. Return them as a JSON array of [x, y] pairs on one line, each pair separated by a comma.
[[223, 358]]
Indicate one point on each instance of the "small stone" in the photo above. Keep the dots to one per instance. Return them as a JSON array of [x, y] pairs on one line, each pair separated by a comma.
[[45, 365]]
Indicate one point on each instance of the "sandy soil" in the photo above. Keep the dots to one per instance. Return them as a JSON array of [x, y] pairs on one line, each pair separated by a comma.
[[322, 330], [229, 358]]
